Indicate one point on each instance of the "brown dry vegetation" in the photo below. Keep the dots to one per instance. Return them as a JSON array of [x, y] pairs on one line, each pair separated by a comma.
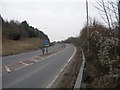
[[10, 47], [102, 57], [103, 69]]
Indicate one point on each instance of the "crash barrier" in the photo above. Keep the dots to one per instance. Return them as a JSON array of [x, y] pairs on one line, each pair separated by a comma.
[[80, 75]]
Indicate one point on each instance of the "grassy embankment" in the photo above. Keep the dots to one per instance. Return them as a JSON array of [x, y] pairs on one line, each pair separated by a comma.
[[10, 47]]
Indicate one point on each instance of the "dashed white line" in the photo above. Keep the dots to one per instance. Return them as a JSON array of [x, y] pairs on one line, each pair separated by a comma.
[[7, 68], [61, 70]]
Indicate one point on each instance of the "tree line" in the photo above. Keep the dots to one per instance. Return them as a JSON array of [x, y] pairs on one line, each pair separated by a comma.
[[15, 30]]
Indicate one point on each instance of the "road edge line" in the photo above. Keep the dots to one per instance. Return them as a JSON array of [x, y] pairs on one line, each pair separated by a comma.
[[49, 86]]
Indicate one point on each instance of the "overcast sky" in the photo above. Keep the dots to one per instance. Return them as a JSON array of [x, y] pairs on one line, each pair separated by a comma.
[[59, 19]]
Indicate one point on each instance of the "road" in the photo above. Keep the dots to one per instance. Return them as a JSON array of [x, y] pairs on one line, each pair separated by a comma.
[[18, 57], [41, 74]]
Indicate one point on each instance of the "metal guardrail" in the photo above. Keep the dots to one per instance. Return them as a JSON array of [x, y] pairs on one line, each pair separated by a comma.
[[80, 75]]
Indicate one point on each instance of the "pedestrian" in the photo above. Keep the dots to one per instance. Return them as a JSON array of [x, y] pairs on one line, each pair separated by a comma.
[[46, 50], [43, 50]]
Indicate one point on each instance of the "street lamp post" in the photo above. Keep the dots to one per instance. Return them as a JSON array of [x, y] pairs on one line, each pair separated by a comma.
[[87, 24], [119, 17], [87, 11], [119, 24]]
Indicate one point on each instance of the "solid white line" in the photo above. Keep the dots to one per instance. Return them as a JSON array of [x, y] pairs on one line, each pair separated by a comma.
[[61, 70], [7, 68]]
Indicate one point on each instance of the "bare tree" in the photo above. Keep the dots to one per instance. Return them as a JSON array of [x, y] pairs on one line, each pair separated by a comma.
[[108, 12]]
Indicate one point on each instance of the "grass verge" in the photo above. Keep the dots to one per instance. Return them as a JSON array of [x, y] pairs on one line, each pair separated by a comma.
[[10, 47]]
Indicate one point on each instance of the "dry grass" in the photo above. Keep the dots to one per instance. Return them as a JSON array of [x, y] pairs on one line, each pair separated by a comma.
[[10, 47]]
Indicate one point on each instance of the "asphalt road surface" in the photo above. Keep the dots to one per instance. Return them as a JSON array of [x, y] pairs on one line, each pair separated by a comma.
[[41, 74], [18, 57]]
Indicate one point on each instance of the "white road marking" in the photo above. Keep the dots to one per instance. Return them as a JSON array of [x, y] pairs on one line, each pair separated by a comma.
[[49, 86], [27, 75], [30, 64], [23, 66], [19, 68], [34, 60], [7, 68], [24, 63]]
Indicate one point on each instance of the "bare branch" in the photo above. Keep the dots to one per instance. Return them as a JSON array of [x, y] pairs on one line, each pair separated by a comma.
[[102, 17], [98, 8], [106, 14], [107, 11], [114, 9]]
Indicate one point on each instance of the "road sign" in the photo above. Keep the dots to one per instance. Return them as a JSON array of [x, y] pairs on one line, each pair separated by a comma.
[[46, 42]]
